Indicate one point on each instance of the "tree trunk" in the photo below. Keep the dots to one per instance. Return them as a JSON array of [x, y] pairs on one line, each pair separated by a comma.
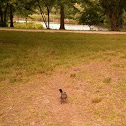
[[115, 21], [115, 27], [114, 11], [18, 18], [26, 20], [5, 17], [11, 16], [62, 17], [42, 14], [1, 17], [48, 11]]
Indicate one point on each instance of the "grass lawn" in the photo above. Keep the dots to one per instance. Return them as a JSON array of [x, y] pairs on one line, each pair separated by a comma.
[[90, 67]]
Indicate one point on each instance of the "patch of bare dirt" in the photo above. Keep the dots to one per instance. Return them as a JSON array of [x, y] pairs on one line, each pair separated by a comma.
[[64, 31], [91, 102]]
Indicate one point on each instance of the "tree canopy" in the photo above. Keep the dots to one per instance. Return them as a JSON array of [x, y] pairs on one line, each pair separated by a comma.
[[114, 9], [90, 12]]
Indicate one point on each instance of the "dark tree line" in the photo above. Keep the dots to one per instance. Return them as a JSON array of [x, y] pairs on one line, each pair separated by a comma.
[[93, 11]]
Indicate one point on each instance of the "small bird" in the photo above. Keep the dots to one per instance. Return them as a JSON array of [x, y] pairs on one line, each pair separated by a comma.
[[63, 96]]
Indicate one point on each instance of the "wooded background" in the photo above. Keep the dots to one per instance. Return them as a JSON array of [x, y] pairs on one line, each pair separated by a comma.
[[107, 13]]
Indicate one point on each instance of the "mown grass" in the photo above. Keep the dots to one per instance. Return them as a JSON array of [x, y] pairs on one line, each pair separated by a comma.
[[23, 54], [96, 84]]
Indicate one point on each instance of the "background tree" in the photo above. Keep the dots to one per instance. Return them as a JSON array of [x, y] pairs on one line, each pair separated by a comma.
[[124, 20], [4, 5], [11, 15], [62, 4], [114, 9], [24, 8], [48, 4], [12, 7], [39, 3], [92, 15]]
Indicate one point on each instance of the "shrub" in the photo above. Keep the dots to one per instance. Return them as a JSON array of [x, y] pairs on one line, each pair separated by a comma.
[[28, 26]]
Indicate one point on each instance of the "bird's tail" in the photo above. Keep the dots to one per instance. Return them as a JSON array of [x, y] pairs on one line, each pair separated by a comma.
[[61, 91]]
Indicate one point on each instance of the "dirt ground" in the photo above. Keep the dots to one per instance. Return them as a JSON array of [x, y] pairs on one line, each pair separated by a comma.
[[63, 31], [95, 97]]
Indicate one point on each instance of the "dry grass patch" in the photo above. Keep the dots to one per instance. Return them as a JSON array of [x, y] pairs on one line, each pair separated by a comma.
[[82, 65], [97, 100], [107, 80]]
